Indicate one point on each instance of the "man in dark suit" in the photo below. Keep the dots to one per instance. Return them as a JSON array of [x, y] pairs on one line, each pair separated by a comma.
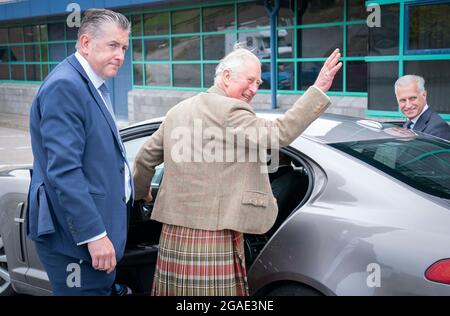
[[412, 99], [81, 181]]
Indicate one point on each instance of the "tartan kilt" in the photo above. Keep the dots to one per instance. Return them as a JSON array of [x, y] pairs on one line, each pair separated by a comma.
[[194, 262]]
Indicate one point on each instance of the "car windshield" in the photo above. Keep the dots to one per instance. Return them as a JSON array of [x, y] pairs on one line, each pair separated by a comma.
[[419, 162]]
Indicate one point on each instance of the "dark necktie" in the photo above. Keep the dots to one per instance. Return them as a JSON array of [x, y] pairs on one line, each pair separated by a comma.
[[105, 94], [409, 124]]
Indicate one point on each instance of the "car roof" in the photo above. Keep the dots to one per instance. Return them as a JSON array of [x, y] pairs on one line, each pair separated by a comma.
[[333, 128]]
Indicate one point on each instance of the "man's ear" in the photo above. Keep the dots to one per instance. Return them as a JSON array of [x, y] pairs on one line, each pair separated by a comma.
[[226, 77], [85, 41]]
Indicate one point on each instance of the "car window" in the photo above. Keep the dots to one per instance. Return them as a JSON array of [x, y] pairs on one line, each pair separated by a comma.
[[132, 147], [420, 162]]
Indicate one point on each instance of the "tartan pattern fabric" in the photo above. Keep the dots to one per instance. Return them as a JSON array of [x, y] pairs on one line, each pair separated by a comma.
[[194, 262]]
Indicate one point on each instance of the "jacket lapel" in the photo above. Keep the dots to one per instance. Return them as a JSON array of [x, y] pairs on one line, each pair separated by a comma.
[[422, 122], [112, 125]]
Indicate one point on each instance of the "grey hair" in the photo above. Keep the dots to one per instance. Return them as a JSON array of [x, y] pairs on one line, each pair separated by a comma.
[[94, 20], [234, 61], [408, 79]]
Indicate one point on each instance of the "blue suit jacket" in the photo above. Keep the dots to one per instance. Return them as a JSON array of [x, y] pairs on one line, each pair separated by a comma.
[[432, 124], [77, 187]]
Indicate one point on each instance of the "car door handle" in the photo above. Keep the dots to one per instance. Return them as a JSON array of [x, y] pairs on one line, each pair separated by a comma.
[[19, 238]]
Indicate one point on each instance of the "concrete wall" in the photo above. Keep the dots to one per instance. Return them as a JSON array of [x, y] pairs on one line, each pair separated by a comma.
[[15, 103], [16, 99], [147, 104]]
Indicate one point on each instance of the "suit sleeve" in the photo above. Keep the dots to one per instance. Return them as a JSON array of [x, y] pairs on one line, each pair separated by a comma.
[[282, 131], [64, 138], [149, 156]]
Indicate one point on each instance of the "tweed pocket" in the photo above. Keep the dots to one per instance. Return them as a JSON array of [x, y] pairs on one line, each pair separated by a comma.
[[255, 198]]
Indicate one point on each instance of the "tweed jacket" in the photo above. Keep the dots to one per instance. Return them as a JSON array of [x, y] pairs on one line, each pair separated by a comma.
[[209, 183]]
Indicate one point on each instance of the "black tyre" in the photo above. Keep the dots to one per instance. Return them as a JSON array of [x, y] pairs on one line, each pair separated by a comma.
[[5, 282]]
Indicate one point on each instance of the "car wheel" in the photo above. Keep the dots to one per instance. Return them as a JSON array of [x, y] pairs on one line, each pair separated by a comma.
[[5, 282], [294, 290]]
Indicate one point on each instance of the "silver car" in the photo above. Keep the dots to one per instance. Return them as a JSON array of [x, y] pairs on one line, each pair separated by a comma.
[[364, 209]]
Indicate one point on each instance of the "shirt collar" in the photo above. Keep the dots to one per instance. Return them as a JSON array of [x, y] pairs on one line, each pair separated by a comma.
[[96, 80], [414, 120]]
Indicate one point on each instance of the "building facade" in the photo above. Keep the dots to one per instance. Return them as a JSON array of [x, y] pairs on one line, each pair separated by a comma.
[[176, 45]]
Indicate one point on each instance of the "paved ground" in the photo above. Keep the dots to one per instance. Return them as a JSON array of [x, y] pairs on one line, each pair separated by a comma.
[[15, 147]]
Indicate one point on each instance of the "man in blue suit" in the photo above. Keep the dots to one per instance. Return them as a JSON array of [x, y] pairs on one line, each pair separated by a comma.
[[81, 181], [412, 99]]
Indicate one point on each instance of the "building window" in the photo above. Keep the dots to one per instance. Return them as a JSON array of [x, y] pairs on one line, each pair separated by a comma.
[[428, 28], [437, 78], [382, 77], [384, 40]]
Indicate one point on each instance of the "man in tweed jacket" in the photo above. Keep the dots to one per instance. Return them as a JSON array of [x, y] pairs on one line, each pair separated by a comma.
[[204, 186]]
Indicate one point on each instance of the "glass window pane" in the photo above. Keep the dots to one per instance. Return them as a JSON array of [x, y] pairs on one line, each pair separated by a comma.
[[137, 75], [265, 76], [251, 15], [16, 53], [44, 54], [382, 77], [70, 48], [157, 49], [137, 50], [43, 30], [356, 10], [286, 15], [307, 74], [57, 52], [157, 75], [33, 72], [356, 76], [209, 72], [285, 43], [429, 26], [214, 46], [44, 70], [319, 42], [17, 72], [437, 78], [357, 40], [186, 21], [72, 33], [384, 40], [320, 11], [156, 24], [56, 32], [4, 71], [285, 76], [257, 42], [16, 35], [32, 53], [31, 33], [136, 25], [3, 36], [218, 18], [4, 54], [186, 75], [186, 48]]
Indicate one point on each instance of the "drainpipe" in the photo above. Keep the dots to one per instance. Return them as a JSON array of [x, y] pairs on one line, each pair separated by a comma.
[[272, 12]]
